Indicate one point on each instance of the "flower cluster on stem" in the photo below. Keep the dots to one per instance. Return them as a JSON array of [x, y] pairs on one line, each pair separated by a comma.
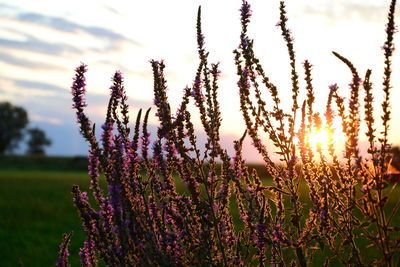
[[168, 200]]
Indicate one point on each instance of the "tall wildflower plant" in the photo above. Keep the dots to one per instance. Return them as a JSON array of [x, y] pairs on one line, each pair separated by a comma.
[[227, 215]]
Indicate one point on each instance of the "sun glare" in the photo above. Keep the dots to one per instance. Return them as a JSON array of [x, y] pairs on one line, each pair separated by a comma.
[[319, 138]]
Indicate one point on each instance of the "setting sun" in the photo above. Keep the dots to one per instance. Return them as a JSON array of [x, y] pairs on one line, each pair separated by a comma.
[[319, 138]]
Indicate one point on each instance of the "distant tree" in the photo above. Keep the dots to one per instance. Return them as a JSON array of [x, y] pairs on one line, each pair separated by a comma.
[[37, 141], [13, 120]]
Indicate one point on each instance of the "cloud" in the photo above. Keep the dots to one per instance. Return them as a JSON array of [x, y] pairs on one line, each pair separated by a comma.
[[371, 12], [65, 25], [18, 86], [18, 61], [55, 35], [11, 90], [112, 10], [36, 45], [51, 120], [38, 85]]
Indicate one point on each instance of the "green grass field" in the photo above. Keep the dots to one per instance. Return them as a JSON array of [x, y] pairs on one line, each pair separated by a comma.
[[36, 209]]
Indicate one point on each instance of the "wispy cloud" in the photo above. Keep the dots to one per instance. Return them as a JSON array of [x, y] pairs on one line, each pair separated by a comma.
[[65, 25], [21, 89], [27, 63], [112, 10], [37, 117], [344, 10], [41, 33], [36, 45], [38, 85]]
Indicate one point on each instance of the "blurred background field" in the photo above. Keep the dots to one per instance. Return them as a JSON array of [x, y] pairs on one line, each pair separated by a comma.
[[36, 208], [43, 163]]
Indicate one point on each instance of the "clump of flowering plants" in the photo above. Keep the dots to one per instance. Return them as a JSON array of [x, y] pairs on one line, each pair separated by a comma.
[[142, 219]]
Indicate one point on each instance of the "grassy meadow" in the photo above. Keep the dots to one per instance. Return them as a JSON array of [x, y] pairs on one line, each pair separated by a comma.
[[36, 209]]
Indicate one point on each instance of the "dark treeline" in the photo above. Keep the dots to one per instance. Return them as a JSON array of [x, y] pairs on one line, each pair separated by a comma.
[[41, 162]]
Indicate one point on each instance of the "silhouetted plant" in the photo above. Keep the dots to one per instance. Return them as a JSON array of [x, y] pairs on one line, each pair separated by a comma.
[[142, 219]]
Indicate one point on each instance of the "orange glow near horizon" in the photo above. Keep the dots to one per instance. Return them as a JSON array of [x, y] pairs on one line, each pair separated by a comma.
[[319, 138]]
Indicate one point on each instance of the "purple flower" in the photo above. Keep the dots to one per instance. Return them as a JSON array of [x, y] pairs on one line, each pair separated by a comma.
[[78, 88], [145, 138], [261, 227], [277, 233], [94, 163], [215, 70], [215, 206], [333, 87], [116, 89], [197, 94], [106, 213], [223, 191], [78, 91], [391, 28], [244, 83], [158, 156], [364, 189], [171, 148], [245, 11], [244, 42], [293, 160], [62, 261], [388, 48], [244, 217], [156, 101], [323, 214], [84, 196], [87, 254], [279, 23], [107, 135], [200, 40], [237, 261], [307, 64]]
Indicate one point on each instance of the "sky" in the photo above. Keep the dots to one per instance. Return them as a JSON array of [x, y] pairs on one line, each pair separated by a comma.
[[42, 41]]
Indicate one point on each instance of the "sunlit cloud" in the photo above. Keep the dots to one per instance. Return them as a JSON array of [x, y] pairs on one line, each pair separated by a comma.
[[24, 62], [36, 117], [27, 89], [366, 11]]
